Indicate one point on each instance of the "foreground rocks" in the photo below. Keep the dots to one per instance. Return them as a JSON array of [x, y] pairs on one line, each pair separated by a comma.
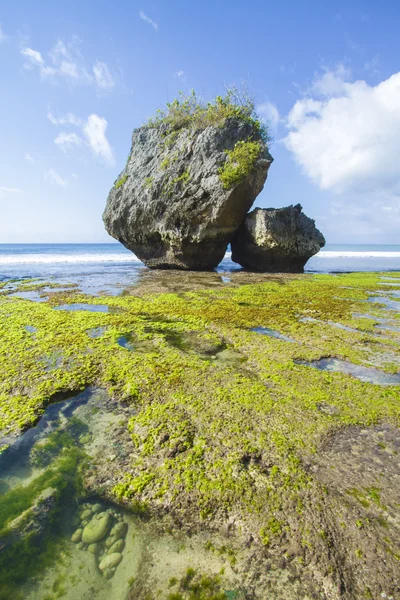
[[276, 240], [169, 205]]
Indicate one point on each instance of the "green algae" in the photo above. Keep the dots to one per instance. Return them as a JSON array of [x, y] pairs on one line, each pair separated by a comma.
[[209, 440]]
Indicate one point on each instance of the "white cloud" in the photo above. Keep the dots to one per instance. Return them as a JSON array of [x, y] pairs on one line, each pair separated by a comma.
[[179, 74], [53, 177], [92, 134], [65, 61], [269, 113], [29, 158], [95, 132], [346, 137], [143, 16], [349, 141], [6, 191], [68, 119], [103, 76], [66, 140]]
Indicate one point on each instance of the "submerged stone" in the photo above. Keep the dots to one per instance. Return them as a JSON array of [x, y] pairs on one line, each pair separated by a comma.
[[110, 561], [77, 536], [119, 530], [97, 529], [118, 546], [94, 548]]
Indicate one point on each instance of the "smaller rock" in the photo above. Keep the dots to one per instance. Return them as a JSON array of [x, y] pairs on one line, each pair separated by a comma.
[[118, 546], [108, 573], [119, 530], [276, 240], [97, 528], [81, 546], [96, 508], [77, 536], [86, 514], [94, 548], [110, 561], [85, 522]]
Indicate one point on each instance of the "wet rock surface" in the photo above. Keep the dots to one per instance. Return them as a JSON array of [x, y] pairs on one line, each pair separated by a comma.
[[169, 205], [276, 240]]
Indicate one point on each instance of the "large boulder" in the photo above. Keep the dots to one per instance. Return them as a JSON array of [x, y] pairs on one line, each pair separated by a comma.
[[276, 240], [172, 205]]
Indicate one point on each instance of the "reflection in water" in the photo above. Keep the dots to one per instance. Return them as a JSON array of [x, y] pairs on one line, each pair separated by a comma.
[[365, 374]]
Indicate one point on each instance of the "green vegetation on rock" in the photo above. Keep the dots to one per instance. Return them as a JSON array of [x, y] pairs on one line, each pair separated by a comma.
[[240, 162], [189, 111], [121, 181]]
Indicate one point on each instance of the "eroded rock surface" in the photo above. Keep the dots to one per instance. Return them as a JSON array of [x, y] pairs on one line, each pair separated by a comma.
[[169, 205], [276, 240]]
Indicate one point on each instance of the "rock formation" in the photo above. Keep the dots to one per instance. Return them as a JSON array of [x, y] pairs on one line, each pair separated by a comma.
[[276, 240], [184, 191]]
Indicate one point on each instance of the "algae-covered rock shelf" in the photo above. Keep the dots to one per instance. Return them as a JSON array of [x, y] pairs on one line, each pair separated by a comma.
[[247, 471]]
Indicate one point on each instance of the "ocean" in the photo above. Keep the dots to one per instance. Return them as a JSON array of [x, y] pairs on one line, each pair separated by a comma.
[[107, 265]]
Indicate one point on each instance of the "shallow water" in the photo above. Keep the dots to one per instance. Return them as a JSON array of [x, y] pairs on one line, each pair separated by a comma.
[[390, 304], [82, 306], [272, 333], [365, 374], [77, 568]]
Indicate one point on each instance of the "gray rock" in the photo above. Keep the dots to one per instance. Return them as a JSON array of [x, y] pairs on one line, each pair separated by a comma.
[[276, 240], [97, 528], [111, 560], [77, 536], [169, 205]]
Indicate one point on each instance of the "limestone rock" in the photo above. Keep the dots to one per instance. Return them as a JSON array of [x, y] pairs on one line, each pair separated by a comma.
[[169, 205], [110, 561], [97, 528], [276, 240]]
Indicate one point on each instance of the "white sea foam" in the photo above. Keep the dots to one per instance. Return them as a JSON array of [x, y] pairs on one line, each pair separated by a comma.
[[30, 259], [354, 254]]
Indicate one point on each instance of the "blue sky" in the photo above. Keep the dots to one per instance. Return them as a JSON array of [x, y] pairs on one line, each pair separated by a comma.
[[77, 77]]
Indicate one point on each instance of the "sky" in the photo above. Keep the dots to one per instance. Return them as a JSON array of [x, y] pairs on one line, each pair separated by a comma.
[[77, 77]]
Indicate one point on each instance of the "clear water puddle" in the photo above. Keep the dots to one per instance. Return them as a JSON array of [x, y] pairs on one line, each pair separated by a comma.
[[32, 295], [365, 374], [193, 343], [272, 333], [82, 306], [56, 541], [390, 304], [30, 329]]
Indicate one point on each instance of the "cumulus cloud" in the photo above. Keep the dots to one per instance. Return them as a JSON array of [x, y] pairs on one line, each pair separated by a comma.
[[92, 133], [65, 61], [147, 19], [29, 158], [53, 177], [269, 113], [95, 132], [350, 138], [345, 135]]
